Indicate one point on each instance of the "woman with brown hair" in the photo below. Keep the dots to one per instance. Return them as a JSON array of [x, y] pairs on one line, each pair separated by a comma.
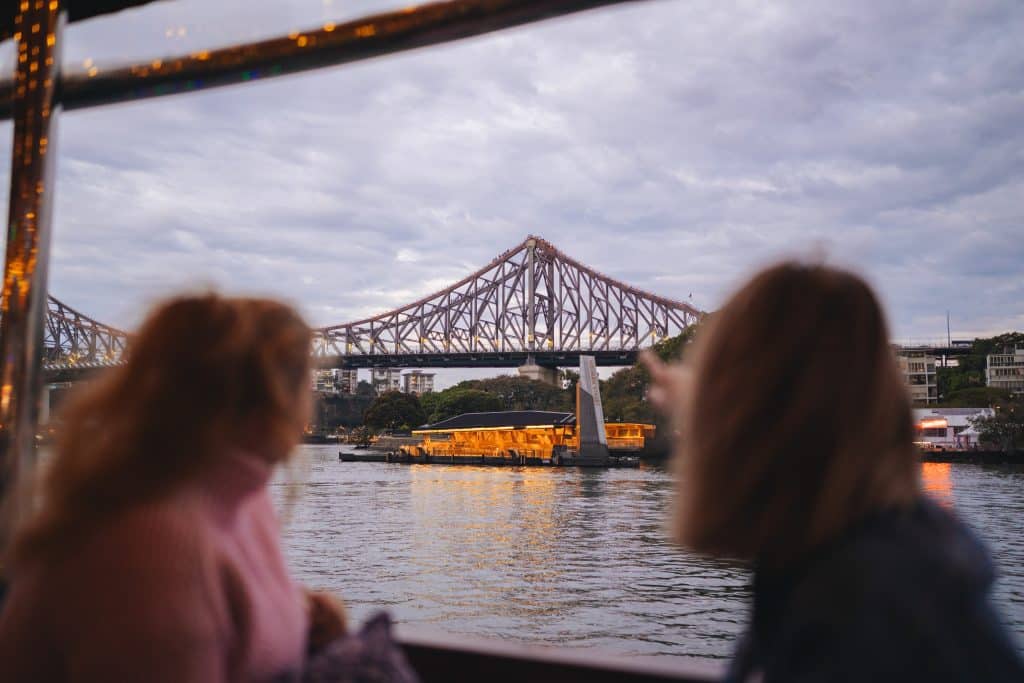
[[153, 554], [795, 454]]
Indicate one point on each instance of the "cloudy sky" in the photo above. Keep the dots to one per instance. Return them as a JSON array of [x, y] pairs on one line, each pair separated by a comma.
[[674, 144]]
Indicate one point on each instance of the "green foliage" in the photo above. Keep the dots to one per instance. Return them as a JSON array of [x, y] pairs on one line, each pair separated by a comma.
[[333, 411], [1005, 430], [395, 411], [954, 380], [520, 393], [458, 400], [975, 397], [996, 344], [429, 403], [623, 396], [671, 348], [956, 385]]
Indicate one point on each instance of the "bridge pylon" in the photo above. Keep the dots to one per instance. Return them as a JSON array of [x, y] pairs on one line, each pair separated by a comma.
[[542, 373]]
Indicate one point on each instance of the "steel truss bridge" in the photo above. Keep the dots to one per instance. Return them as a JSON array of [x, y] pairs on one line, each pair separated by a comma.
[[530, 305]]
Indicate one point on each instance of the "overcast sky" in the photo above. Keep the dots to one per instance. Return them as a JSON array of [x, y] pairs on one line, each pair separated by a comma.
[[673, 144]]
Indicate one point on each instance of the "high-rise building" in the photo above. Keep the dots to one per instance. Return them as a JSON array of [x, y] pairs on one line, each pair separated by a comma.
[[918, 368], [335, 381], [348, 380], [386, 379], [418, 382]]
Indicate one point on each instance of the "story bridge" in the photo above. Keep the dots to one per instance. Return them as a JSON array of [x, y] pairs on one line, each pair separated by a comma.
[[532, 306]]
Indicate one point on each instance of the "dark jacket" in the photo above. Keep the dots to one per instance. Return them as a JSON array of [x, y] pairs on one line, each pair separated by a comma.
[[901, 597]]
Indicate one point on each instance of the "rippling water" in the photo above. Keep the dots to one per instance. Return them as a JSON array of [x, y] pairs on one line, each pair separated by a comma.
[[567, 557]]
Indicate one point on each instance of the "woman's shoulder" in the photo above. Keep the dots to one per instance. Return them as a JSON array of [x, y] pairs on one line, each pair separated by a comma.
[[904, 592], [142, 547], [923, 547]]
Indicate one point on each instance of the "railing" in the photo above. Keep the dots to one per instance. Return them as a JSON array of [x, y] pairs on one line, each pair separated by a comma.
[[626, 443], [442, 658]]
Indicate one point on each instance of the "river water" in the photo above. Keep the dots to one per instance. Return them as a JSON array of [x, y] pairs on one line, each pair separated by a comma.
[[575, 558]]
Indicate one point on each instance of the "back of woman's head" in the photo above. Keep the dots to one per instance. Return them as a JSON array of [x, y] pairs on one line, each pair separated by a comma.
[[798, 423], [204, 375]]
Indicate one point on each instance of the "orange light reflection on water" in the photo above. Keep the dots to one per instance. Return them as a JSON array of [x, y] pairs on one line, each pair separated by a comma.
[[937, 482], [504, 517]]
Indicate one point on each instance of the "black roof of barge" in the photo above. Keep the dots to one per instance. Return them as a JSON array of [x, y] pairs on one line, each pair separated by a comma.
[[505, 418]]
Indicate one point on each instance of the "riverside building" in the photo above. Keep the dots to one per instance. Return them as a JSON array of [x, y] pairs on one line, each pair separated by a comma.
[[386, 379], [1006, 370], [418, 382], [336, 381], [948, 428], [918, 368]]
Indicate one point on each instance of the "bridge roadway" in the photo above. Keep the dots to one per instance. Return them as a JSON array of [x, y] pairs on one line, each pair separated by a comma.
[[512, 359]]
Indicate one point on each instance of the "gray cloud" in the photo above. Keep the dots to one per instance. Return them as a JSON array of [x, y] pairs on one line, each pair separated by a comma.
[[674, 145]]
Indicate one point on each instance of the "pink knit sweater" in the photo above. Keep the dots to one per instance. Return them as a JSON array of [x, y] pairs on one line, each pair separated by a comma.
[[192, 588]]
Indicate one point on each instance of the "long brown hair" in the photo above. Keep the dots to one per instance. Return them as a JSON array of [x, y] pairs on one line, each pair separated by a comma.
[[203, 374], [798, 423]]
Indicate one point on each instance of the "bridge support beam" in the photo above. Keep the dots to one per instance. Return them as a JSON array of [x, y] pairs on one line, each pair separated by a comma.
[[35, 109], [541, 373]]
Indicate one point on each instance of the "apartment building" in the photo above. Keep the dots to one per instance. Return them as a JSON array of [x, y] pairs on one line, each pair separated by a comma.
[[336, 381], [418, 382], [918, 368], [386, 379], [1006, 370]]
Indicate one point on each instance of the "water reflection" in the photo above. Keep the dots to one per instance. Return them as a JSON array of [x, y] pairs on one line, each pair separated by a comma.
[[561, 556], [937, 481]]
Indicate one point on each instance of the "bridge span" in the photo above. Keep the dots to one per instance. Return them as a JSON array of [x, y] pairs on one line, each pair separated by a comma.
[[532, 305]]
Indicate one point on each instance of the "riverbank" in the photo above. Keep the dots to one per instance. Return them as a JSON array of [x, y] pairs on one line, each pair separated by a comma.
[[975, 457]]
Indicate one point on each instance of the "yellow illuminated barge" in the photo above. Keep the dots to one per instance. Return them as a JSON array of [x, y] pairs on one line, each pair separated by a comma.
[[523, 437]]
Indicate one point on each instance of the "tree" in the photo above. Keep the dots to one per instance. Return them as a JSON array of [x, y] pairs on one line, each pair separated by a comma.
[[520, 393], [976, 396], [671, 348], [969, 374], [457, 400], [624, 396], [395, 411], [1004, 430], [429, 402]]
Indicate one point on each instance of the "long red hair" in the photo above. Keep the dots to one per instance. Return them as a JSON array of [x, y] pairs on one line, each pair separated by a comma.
[[203, 374], [799, 423]]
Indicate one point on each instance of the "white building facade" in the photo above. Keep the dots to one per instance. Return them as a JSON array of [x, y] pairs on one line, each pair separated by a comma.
[[1006, 370], [386, 379], [918, 368], [948, 428], [418, 382], [335, 381]]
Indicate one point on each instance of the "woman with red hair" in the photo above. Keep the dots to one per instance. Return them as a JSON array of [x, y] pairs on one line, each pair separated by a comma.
[[154, 553]]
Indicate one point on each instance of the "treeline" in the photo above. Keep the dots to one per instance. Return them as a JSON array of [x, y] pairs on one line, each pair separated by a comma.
[[964, 386], [623, 395]]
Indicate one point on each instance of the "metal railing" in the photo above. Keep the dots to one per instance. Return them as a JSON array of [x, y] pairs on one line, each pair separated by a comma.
[[449, 659]]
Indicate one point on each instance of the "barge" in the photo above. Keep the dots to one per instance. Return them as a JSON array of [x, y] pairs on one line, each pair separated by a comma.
[[526, 437], [519, 437]]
